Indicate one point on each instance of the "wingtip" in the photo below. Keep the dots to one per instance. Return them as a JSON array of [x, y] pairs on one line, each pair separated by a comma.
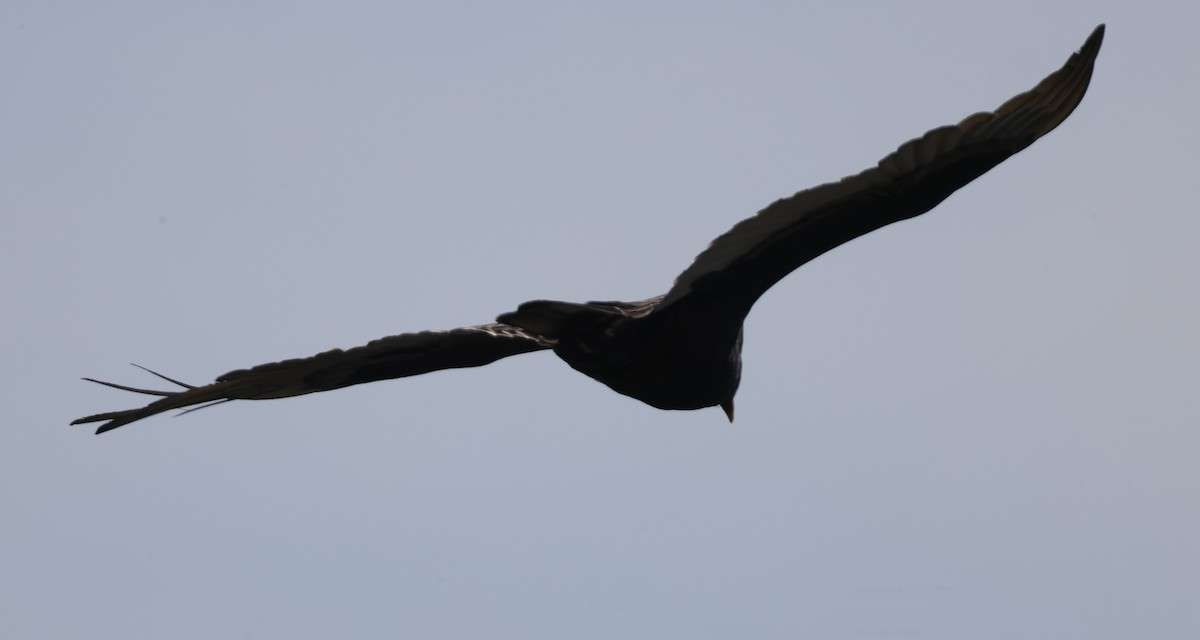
[[98, 418], [88, 419]]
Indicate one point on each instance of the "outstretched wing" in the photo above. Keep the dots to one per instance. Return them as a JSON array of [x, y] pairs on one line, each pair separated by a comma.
[[742, 264], [407, 354]]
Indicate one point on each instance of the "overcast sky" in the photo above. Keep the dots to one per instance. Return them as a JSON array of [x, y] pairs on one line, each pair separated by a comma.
[[982, 423]]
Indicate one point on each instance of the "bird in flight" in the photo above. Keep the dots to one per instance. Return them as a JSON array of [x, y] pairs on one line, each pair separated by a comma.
[[682, 349]]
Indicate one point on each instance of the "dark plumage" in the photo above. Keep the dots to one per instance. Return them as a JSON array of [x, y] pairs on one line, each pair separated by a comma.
[[681, 350]]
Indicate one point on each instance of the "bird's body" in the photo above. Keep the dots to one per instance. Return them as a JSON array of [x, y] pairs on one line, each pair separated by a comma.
[[681, 350], [673, 359]]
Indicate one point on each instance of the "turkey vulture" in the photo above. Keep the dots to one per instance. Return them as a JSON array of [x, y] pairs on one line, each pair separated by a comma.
[[680, 350]]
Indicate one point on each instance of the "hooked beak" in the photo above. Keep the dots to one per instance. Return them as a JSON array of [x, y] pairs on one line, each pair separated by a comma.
[[727, 406]]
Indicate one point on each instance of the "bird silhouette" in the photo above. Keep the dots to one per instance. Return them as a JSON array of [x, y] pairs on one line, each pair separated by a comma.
[[680, 350]]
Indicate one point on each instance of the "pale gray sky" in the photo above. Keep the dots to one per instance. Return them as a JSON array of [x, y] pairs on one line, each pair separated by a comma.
[[981, 424]]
